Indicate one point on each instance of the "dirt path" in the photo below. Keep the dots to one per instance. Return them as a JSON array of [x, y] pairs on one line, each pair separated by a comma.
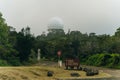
[[115, 73]]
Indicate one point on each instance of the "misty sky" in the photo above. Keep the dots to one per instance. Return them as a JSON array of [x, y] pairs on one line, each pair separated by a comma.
[[99, 16]]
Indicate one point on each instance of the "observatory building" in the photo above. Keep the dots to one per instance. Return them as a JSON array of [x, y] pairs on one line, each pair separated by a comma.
[[55, 24]]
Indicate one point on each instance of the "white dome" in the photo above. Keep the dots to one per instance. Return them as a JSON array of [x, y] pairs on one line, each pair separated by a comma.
[[55, 23]]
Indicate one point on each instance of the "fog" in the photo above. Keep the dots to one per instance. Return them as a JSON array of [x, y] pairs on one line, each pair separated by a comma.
[[99, 16]]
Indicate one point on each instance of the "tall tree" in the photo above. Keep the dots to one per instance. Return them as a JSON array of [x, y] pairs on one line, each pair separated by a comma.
[[25, 42], [3, 31]]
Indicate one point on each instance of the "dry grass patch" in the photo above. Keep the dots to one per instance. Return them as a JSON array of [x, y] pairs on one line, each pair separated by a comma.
[[39, 73]]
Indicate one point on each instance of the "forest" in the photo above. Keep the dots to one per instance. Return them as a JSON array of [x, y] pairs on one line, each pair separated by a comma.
[[20, 48]]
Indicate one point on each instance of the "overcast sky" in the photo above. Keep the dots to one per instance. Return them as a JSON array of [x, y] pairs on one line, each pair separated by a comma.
[[99, 16]]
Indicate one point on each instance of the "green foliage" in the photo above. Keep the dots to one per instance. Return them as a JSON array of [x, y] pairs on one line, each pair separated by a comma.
[[7, 51], [104, 59], [13, 61], [3, 31], [3, 63], [32, 57], [24, 44]]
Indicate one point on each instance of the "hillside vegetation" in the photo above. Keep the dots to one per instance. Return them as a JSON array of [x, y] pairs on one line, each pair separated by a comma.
[[20, 48]]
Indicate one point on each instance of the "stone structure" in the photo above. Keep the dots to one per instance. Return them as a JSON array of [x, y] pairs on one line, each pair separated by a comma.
[[39, 55]]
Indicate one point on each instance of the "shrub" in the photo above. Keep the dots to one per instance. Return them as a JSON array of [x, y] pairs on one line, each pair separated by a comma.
[[104, 59], [3, 63], [14, 62]]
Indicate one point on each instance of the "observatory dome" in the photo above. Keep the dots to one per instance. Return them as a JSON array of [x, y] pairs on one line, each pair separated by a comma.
[[55, 23]]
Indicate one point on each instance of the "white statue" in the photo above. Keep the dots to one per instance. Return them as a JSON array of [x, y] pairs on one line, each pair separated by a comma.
[[39, 55]]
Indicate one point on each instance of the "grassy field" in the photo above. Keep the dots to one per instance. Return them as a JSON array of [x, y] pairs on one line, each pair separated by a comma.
[[39, 73]]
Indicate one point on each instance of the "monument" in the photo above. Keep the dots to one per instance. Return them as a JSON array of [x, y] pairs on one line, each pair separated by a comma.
[[39, 55]]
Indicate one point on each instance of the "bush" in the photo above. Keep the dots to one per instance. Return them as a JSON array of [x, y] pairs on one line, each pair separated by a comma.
[[107, 60], [14, 62], [3, 63]]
